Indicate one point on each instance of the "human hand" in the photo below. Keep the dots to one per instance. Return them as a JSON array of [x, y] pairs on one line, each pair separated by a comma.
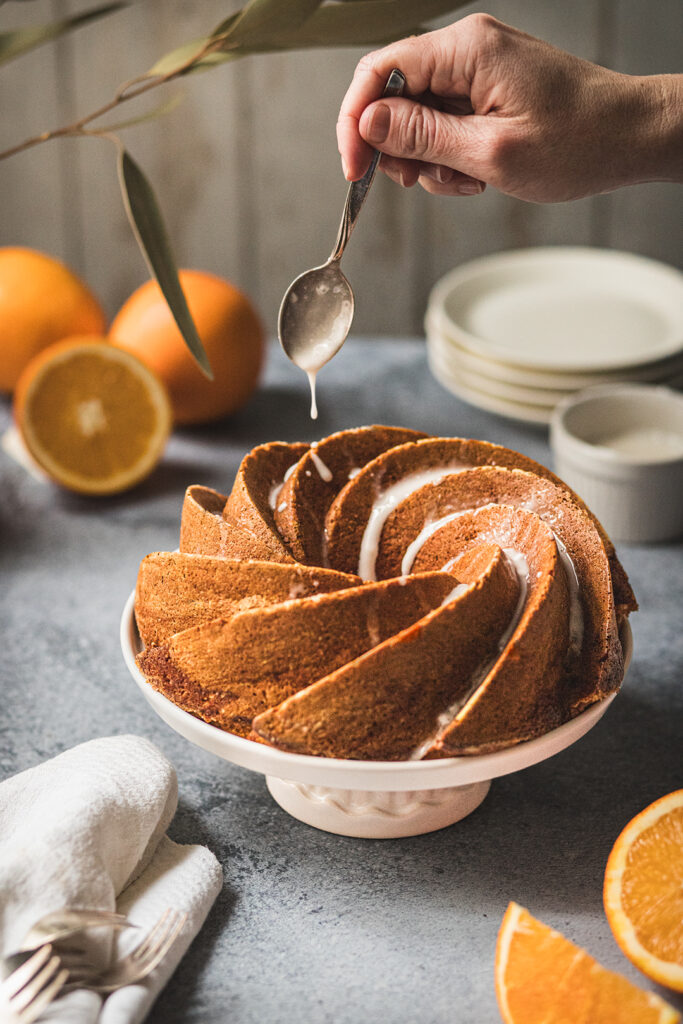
[[487, 104]]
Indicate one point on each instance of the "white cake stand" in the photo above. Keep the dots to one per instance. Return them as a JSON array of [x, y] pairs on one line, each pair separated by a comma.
[[366, 799]]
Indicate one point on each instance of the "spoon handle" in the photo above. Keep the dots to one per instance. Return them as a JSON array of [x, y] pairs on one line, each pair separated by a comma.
[[355, 197]]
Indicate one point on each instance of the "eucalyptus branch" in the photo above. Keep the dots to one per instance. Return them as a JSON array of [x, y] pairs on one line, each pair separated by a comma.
[[128, 91], [261, 26]]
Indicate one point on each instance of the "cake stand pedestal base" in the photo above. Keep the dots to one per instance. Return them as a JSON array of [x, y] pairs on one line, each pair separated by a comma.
[[376, 815]]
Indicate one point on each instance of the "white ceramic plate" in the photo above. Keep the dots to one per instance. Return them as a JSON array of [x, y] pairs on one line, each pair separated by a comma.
[[522, 411], [452, 366], [564, 309], [369, 799], [459, 364], [659, 371]]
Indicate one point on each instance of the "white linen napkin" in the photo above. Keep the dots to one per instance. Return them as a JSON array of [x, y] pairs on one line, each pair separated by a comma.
[[87, 829]]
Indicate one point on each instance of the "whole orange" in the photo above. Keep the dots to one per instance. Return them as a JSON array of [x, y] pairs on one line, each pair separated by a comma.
[[231, 333], [41, 301]]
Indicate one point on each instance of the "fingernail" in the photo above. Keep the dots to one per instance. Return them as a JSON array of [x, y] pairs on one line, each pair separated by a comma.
[[470, 188], [345, 169], [444, 174], [378, 125]]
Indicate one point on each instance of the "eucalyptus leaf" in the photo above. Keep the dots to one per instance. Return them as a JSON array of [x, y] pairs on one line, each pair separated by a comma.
[[365, 22], [13, 44], [353, 23], [260, 20], [225, 26], [174, 61], [148, 226]]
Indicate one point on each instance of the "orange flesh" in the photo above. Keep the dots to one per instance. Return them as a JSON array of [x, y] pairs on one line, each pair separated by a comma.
[[652, 887], [96, 430], [543, 978]]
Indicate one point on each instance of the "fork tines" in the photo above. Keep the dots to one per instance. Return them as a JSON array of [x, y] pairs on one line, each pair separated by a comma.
[[33, 985]]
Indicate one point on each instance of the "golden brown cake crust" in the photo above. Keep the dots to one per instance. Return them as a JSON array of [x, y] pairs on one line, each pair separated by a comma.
[[317, 478], [386, 703], [236, 668], [601, 668], [202, 530], [176, 590], [249, 510], [494, 616], [391, 466]]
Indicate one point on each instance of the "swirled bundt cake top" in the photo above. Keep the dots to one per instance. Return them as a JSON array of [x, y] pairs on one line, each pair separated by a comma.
[[385, 595]]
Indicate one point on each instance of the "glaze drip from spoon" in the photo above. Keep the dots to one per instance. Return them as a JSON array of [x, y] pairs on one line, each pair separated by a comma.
[[317, 309]]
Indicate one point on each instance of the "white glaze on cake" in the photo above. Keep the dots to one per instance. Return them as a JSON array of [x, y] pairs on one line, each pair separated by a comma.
[[385, 504]]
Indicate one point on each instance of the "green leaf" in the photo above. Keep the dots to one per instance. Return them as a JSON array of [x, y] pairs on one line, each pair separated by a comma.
[[13, 44], [365, 22], [352, 23], [148, 226], [226, 25], [260, 20], [252, 26], [173, 62]]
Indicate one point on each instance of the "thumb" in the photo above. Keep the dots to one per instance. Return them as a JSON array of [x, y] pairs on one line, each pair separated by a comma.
[[413, 131]]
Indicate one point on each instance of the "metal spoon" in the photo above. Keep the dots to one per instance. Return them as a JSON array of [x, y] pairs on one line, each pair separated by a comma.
[[317, 309]]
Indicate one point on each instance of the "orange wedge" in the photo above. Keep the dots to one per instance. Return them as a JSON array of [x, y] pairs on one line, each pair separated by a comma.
[[93, 417], [643, 890], [543, 978]]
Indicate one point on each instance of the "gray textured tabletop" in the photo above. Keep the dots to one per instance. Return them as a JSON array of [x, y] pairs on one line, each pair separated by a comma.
[[310, 926]]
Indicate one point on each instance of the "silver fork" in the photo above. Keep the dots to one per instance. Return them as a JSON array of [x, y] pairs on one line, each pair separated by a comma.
[[61, 928], [59, 924], [29, 989], [138, 963]]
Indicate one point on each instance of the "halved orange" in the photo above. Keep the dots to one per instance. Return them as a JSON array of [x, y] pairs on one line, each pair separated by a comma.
[[93, 417], [543, 978], [643, 890]]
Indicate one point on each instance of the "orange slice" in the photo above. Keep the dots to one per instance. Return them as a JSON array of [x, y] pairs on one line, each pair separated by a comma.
[[543, 978], [643, 890], [93, 417]]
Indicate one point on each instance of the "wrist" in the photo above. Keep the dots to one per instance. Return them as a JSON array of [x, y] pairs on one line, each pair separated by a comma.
[[656, 130]]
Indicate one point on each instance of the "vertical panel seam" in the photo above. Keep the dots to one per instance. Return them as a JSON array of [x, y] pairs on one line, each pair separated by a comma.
[[69, 159], [603, 206]]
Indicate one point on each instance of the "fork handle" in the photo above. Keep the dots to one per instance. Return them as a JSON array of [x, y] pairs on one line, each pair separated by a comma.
[[358, 190]]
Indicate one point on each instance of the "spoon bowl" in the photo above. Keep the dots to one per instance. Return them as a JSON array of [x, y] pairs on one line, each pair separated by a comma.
[[317, 309], [315, 318]]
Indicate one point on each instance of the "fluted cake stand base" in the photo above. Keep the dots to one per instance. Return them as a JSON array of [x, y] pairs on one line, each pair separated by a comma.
[[366, 799], [376, 815]]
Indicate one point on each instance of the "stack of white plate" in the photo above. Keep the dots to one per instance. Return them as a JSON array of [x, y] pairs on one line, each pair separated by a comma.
[[517, 332]]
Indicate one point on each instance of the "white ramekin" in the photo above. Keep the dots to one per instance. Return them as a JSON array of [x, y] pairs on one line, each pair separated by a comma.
[[636, 497]]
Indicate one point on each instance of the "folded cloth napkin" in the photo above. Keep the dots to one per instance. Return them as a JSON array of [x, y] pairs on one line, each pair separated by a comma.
[[87, 829]]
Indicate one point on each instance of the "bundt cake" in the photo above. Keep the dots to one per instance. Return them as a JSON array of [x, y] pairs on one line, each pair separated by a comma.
[[385, 595]]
